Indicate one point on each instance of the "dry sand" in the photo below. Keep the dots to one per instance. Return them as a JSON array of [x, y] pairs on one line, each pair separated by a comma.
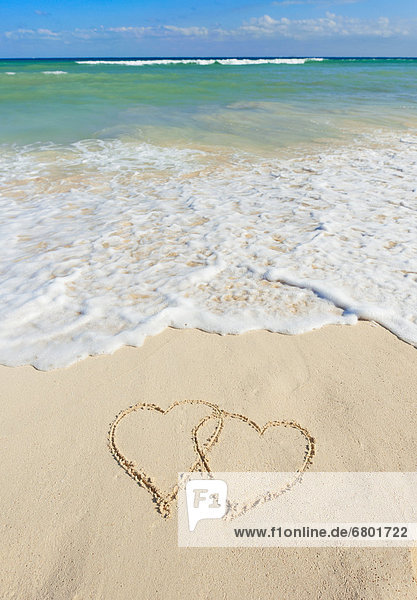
[[75, 526]]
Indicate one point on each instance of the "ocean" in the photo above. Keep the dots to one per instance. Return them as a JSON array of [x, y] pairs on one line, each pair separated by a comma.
[[224, 194]]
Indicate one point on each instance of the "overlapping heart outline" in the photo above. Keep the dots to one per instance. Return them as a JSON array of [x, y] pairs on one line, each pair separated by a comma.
[[235, 508], [162, 500], [202, 449]]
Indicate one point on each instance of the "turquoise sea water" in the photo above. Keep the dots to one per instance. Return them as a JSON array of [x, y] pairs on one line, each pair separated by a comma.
[[263, 106], [227, 194]]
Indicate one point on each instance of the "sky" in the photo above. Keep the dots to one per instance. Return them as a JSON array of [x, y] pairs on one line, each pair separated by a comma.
[[145, 28]]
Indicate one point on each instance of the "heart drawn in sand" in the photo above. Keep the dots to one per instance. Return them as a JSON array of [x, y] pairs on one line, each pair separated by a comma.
[[262, 449], [212, 446], [148, 417]]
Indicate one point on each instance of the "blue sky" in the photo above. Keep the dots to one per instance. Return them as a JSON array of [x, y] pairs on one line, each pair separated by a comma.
[[51, 28]]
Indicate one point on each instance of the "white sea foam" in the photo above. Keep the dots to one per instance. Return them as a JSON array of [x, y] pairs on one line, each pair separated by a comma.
[[106, 242], [10, 73], [54, 72], [201, 61]]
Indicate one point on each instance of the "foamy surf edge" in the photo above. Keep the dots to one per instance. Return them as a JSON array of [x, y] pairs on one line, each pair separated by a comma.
[[202, 61], [293, 245]]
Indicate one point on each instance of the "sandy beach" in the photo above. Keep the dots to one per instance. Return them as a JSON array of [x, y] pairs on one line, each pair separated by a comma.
[[208, 316], [76, 526]]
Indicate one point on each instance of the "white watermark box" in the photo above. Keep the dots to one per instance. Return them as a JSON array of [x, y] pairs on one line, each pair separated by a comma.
[[296, 510]]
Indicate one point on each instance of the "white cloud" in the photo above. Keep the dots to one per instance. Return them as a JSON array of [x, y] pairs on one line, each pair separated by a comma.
[[329, 26], [314, 2], [40, 34], [187, 31], [48, 32]]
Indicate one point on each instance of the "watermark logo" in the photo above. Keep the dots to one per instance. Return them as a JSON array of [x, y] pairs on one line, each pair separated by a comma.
[[206, 499], [311, 513]]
